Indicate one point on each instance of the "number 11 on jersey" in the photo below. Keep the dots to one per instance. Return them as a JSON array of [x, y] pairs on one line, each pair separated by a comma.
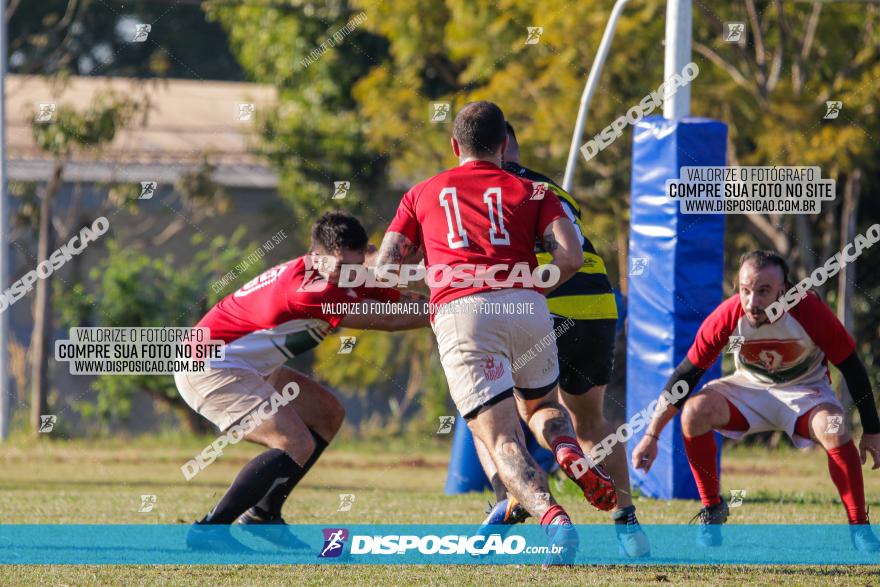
[[457, 237]]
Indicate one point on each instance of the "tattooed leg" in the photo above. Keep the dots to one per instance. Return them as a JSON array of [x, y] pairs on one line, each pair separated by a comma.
[[547, 419], [552, 426], [498, 427]]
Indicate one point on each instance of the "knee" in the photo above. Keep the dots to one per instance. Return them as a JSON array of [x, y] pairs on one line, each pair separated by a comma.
[[327, 414], [335, 414], [298, 447], [508, 445], [699, 409], [829, 427], [547, 406]]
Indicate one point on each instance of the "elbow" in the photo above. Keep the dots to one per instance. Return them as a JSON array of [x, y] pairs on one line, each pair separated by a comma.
[[570, 263]]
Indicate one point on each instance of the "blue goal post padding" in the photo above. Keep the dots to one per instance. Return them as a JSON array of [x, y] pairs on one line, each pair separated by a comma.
[[676, 264]]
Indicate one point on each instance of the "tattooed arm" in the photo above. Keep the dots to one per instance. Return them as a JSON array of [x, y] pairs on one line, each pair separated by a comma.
[[561, 240], [396, 249]]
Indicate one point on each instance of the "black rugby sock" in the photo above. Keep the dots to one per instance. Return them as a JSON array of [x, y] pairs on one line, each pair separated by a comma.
[[270, 506], [253, 482]]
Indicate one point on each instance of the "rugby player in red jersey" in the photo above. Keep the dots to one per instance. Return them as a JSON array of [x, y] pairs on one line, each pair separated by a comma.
[[479, 216], [283, 313], [781, 382], [585, 315]]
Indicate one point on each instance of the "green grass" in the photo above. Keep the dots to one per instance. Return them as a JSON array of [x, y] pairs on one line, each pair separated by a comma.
[[397, 482]]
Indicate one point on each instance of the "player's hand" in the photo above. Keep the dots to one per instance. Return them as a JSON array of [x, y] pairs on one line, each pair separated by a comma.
[[645, 453], [870, 443], [370, 256]]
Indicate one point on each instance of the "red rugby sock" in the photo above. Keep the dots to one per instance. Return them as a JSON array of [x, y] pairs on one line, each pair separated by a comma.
[[845, 467], [553, 515], [702, 453]]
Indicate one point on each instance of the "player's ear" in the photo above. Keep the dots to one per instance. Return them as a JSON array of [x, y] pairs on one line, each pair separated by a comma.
[[310, 259], [455, 148]]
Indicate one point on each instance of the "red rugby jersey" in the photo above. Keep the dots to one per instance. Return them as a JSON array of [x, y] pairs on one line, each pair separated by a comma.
[[793, 350], [279, 314], [475, 214]]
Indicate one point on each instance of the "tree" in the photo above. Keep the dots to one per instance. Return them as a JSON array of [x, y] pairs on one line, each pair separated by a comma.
[[395, 370], [67, 132], [136, 289], [88, 37], [315, 135], [773, 92]]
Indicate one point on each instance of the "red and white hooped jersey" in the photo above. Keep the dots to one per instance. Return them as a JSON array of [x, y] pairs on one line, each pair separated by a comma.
[[279, 314], [479, 214], [793, 350]]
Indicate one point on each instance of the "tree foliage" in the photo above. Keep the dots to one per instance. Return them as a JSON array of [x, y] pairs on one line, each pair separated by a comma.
[[315, 136], [94, 37], [92, 128], [360, 111], [136, 289]]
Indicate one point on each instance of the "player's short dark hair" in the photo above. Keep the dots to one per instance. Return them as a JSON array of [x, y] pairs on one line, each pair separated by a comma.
[[510, 131], [479, 128], [337, 230], [761, 259]]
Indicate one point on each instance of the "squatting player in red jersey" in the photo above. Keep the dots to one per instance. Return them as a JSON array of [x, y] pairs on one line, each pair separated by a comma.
[[781, 382], [274, 317], [478, 214]]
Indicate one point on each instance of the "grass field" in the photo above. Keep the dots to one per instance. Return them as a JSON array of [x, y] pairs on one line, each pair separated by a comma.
[[101, 482]]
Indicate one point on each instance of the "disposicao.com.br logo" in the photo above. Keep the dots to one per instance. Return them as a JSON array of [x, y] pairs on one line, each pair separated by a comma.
[[451, 544], [334, 542]]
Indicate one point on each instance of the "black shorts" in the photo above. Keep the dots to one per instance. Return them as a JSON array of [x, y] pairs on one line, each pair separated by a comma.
[[586, 353]]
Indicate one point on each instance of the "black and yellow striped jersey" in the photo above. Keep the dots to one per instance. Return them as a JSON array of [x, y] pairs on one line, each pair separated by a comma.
[[588, 294]]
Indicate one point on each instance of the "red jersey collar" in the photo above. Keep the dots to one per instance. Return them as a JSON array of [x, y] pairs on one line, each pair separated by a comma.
[[479, 164]]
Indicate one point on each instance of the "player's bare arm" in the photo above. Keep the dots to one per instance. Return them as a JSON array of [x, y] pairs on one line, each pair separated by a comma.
[[396, 249], [859, 386], [645, 453], [560, 239], [369, 316]]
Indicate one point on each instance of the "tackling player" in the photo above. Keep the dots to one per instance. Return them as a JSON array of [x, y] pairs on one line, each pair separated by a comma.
[[272, 318], [585, 304], [781, 382], [477, 214]]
